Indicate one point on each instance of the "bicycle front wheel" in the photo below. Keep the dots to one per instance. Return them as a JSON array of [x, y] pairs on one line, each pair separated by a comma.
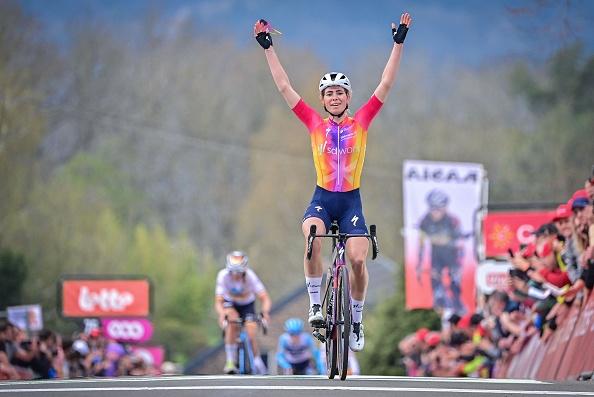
[[243, 355], [331, 346], [343, 317]]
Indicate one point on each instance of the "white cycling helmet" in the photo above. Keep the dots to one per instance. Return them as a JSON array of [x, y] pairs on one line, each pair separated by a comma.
[[237, 262], [335, 78]]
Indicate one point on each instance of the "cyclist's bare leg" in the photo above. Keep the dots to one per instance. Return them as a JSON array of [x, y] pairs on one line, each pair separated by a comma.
[[251, 328], [313, 270], [356, 250], [313, 267], [232, 331]]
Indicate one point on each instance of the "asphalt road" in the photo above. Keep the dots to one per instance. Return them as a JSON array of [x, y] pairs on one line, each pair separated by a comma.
[[288, 386]]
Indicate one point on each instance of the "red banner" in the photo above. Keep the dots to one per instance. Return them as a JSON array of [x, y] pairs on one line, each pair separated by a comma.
[[503, 230], [105, 298]]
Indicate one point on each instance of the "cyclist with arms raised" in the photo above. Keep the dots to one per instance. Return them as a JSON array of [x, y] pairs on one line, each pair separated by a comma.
[[338, 144], [236, 291]]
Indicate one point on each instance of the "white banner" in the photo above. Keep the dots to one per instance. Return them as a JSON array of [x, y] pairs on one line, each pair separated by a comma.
[[26, 317], [440, 199], [492, 276]]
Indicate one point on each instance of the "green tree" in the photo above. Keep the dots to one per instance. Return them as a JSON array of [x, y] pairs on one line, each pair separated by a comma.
[[184, 289], [14, 273], [552, 159], [26, 68], [71, 227]]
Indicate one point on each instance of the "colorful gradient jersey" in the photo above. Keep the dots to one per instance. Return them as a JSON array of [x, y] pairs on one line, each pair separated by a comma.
[[338, 149]]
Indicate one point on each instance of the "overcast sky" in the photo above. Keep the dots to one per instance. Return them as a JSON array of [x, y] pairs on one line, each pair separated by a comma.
[[472, 32]]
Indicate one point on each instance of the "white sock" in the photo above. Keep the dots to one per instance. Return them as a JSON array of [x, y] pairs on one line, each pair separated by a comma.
[[260, 366], [230, 350], [357, 310], [313, 289]]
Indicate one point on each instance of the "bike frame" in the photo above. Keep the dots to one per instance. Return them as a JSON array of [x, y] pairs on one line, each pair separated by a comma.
[[338, 313], [245, 353], [244, 348]]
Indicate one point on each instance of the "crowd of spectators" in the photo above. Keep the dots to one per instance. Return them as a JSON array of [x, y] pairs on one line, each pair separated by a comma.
[[47, 356], [546, 278]]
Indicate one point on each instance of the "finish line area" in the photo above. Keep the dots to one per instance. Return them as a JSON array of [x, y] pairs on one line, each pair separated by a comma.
[[293, 386]]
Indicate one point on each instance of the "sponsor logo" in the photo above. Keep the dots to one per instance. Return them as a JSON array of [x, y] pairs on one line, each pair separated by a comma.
[[325, 148], [105, 299], [318, 208], [125, 330], [442, 175], [524, 234], [354, 220], [496, 280]]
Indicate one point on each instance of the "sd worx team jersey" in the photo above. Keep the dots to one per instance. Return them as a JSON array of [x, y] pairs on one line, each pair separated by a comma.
[[338, 148]]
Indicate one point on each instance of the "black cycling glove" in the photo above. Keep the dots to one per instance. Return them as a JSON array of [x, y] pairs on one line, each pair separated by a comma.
[[400, 34], [264, 38]]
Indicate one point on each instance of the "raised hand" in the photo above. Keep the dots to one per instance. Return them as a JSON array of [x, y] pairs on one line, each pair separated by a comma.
[[400, 34], [262, 33]]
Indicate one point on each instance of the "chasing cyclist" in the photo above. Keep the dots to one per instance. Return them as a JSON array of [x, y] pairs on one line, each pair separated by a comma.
[[443, 231], [338, 144], [236, 291], [297, 352]]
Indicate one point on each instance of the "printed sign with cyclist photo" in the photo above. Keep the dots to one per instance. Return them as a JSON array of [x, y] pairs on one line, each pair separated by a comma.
[[440, 199]]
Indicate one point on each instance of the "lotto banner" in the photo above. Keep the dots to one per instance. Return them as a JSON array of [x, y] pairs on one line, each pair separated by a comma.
[[508, 229], [87, 297], [440, 200]]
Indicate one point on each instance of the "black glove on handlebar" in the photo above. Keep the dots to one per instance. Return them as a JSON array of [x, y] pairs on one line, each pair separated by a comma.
[[400, 34]]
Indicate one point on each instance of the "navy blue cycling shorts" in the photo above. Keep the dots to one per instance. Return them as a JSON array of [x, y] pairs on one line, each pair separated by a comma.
[[343, 207], [246, 312]]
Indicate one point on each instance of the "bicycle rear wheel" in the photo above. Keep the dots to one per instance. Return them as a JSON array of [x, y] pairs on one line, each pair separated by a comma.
[[331, 367], [343, 320]]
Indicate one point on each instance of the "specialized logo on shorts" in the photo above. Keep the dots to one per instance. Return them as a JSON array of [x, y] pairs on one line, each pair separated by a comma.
[[354, 220], [318, 208]]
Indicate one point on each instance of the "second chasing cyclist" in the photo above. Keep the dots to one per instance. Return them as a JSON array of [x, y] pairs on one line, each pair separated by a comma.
[[236, 291]]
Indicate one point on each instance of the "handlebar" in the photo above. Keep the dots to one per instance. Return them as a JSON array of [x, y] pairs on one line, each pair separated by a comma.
[[262, 323], [334, 229]]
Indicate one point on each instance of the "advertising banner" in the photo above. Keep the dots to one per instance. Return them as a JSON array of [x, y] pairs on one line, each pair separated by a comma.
[[508, 229], [105, 297], [492, 276], [440, 200], [152, 355], [135, 330], [26, 317]]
